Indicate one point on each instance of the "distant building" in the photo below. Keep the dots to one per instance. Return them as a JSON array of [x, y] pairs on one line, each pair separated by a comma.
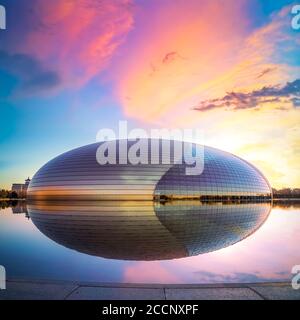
[[21, 188]]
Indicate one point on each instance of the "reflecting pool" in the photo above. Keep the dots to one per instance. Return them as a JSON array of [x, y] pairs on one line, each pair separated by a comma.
[[150, 242]]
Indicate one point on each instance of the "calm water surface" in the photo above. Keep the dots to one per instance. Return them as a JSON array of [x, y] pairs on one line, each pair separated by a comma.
[[184, 242]]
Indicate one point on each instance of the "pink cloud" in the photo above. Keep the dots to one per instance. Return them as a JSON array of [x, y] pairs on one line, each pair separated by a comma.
[[76, 38], [174, 49], [182, 54]]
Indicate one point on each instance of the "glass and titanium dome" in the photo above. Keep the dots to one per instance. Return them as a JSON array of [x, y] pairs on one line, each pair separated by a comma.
[[76, 175]]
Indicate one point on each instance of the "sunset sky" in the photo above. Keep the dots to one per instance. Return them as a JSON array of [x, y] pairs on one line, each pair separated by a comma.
[[71, 67]]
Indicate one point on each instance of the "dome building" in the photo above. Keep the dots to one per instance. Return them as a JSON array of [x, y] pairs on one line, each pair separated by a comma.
[[77, 175]]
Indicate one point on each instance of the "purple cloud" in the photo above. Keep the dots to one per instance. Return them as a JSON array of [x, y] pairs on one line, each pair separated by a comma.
[[290, 92]]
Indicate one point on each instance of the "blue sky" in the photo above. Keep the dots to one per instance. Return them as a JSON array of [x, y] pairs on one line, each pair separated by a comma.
[[67, 71]]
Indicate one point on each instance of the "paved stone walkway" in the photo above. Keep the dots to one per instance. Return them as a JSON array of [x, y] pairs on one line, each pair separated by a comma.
[[49, 290]]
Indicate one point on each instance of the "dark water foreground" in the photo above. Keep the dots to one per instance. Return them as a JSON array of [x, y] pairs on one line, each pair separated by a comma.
[[147, 242]]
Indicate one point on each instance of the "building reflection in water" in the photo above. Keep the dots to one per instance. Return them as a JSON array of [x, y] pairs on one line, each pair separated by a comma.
[[18, 207], [140, 230]]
